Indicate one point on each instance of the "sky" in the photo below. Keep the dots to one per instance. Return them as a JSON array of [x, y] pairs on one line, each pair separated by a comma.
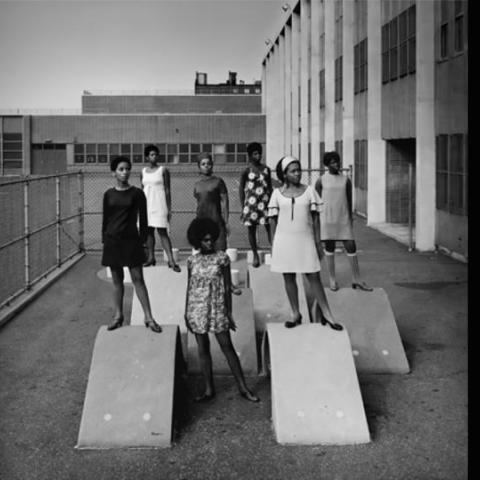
[[50, 51]]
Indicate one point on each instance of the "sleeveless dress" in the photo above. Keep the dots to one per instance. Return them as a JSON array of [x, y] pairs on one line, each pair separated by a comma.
[[206, 310], [335, 220], [256, 198], [293, 249], [154, 190]]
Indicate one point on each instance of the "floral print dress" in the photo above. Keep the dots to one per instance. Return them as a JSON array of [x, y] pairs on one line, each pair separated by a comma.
[[206, 310], [257, 195]]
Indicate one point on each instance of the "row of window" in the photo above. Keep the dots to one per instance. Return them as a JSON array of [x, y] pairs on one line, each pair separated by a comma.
[[398, 46], [452, 173], [168, 152], [457, 21]]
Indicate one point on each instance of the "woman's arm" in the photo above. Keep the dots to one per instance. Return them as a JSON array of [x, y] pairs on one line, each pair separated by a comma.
[[224, 201], [241, 187], [142, 215], [227, 278], [189, 274], [348, 188], [317, 234], [104, 216], [268, 179], [168, 197]]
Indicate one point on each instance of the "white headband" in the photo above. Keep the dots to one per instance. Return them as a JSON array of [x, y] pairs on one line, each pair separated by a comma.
[[286, 161]]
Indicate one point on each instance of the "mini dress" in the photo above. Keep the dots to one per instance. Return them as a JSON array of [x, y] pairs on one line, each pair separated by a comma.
[[206, 310], [293, 249], [334, 218], [256, 198], [154, 189]]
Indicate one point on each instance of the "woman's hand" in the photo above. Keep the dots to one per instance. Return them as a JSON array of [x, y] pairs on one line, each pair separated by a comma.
[[320, 251], [231, 322], [187, 324]]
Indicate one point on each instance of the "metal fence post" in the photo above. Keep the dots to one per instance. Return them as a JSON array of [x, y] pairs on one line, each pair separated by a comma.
[[81, 211], [26, 235], [57, 229]]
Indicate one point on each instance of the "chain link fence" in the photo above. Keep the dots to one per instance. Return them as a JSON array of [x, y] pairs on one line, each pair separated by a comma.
[[42, 228], [182, 181]]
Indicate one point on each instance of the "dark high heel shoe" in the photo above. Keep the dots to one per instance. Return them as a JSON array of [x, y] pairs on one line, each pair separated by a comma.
[[117, 323], [174, 267], [153, 326], [362, 286], [335, 326], [149, 263], [293, 323]]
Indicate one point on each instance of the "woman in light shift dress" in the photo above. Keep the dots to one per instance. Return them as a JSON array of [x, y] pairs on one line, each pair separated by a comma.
[[156, 186], [293, 210], [337, 219]]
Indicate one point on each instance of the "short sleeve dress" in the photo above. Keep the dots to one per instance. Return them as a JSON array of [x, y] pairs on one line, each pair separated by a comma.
[[206, 310], [154, 189], [257, 195], [335, 218], [122, 239], [293, 249], [208, 193]]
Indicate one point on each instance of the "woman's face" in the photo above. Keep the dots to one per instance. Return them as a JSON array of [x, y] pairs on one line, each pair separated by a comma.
[[293, 173], [122, 172], [206, 166], [334, 166], [152, 157], [207, 244]]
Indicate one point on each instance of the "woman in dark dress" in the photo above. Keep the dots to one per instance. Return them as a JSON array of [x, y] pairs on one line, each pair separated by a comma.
[[123, 242], [212, 198]]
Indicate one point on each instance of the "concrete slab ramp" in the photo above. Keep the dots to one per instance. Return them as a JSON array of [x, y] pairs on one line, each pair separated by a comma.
[[316, 396], [368, 317], [130, 390], [166, 290], [243, 339]]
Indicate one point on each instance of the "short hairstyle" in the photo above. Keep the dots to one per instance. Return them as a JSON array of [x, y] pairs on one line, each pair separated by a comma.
[[115, 161], [203, 155], [254, 147], [199, 227], [150, 148], [280, 171], [329, 156]]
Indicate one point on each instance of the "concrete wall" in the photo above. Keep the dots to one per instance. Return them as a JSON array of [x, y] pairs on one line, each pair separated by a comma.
[[171, 104]]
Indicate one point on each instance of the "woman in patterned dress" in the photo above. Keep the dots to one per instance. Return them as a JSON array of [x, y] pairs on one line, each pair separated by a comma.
[[254, 191], [208, 305]]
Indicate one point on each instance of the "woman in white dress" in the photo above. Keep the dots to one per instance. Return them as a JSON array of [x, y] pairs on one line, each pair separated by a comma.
[[294, 212], [156, 186]]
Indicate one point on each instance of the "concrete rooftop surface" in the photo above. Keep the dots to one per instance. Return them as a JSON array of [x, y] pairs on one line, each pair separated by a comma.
[[418, 422]]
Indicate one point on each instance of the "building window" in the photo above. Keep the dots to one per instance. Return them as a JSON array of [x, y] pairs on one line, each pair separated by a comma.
[[338, 79], [322, 153], [403, 44], [394, 49], [451, 174], [339, 150], [444, 41], [322, 88], [12, 150], [386, 53], [360, 178], [360, 67], [412, 29], [459, 25]]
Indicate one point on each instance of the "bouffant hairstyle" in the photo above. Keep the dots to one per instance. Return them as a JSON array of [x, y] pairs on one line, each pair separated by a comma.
[[150, 148], [280, 171], [115, 161], [198, 228], [329, 156], [203, 155], [254, 147]]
